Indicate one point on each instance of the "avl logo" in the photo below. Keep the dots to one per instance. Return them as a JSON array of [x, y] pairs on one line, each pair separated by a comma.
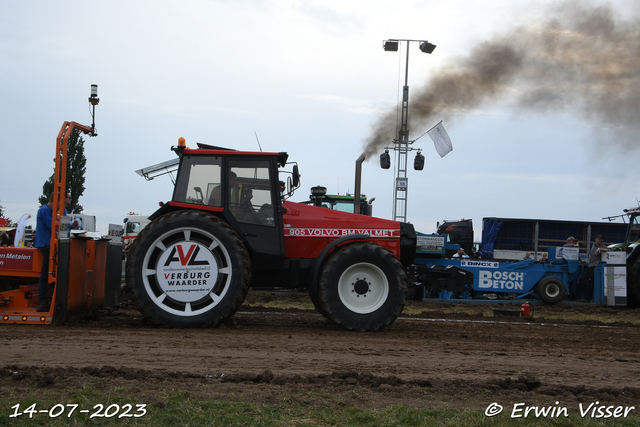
[[190, 258]]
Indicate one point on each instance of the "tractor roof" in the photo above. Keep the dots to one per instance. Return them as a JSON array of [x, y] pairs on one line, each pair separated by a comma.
[[212, 150]]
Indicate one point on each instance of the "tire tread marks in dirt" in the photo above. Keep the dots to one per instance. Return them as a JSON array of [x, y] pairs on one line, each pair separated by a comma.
[[328, 297], [195, 221]]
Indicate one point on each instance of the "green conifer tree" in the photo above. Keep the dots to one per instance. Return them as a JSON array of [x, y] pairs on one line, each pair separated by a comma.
[[76, 168]]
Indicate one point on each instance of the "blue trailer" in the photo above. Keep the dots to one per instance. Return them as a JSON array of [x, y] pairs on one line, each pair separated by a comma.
[[551, 281]]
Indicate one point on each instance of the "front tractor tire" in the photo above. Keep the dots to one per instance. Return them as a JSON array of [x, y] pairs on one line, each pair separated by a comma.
[[188, 269], [362, 287]]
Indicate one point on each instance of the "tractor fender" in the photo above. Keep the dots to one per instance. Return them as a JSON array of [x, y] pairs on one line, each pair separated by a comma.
[[177, 206], [164, 209], [318, 261]]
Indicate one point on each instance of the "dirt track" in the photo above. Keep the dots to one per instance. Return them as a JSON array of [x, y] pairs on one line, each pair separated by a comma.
[[265, 356]]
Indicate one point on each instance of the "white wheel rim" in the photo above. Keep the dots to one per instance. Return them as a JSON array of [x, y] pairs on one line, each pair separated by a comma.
[[186, 271], [363, 288], [552, 290]]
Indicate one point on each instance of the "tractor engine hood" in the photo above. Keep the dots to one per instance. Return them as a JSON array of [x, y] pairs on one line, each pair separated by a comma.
[[308, 229]]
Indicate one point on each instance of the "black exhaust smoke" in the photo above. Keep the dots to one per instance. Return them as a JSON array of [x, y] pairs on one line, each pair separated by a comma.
[[581, 56]]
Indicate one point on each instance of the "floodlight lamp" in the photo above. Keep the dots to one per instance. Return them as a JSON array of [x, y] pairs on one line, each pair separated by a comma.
[[385, 160], [93, 99], [390, 45], [418, 163], [427, 47]]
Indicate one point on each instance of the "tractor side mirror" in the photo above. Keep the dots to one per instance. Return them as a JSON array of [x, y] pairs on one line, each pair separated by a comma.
[[296, 176]]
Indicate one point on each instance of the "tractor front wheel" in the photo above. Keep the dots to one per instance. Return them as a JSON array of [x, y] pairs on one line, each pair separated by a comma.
[[362, 287]]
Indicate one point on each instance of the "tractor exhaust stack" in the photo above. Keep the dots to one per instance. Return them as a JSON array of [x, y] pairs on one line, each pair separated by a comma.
[[356, 197]]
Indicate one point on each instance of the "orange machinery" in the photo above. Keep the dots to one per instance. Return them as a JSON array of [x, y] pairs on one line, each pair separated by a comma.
[[77, 267], [79, 270]]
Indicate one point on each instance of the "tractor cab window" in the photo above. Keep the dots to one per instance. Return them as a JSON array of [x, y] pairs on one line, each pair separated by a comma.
[[198, 178], [251, 198]]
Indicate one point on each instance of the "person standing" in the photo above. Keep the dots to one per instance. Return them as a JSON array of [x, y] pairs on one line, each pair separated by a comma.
[[44, 222], [571, 242], [474, 253], [460, 254], [594, 260]]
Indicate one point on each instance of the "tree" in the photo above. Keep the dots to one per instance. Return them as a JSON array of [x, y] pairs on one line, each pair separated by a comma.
[[76, 168]]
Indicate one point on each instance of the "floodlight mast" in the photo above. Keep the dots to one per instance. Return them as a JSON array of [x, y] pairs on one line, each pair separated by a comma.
[[402, 144]]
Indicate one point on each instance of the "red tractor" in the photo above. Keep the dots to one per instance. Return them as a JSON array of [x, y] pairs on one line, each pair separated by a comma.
[[228, 228]]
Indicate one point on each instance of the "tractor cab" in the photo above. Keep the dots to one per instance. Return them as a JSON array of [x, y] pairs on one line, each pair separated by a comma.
[[458, 232], [343, 203], [632, 238], [241, 189], [633, 232], [245, 188]]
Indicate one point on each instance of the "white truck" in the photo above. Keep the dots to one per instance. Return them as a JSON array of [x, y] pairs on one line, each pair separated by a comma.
[[133, 224]]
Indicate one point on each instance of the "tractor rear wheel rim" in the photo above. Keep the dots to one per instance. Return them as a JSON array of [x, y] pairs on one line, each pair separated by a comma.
[[363, 288], [187, 271]]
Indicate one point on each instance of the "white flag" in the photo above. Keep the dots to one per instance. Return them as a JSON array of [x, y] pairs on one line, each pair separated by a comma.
[[440, 139], [18, 241]]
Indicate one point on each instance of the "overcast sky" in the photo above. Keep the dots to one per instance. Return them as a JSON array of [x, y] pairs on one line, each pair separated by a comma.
[[554, 138]]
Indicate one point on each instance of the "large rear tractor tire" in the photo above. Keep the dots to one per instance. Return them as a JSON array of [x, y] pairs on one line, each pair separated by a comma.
[[362, 287], [551, 290], [188, 269]]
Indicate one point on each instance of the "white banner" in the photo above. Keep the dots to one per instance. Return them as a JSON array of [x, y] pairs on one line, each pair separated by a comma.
[[441, 139], [18, 241]]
